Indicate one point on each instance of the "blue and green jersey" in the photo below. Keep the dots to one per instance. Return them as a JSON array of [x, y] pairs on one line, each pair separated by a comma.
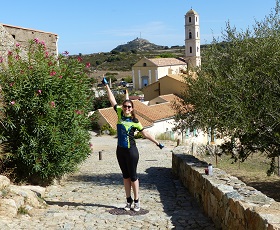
[[126, 127]]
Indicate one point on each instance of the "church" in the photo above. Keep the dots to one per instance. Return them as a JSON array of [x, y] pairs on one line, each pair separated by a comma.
[[148, 71]]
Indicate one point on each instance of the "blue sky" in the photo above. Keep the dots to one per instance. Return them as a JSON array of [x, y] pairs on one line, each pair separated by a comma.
[[90, 26]]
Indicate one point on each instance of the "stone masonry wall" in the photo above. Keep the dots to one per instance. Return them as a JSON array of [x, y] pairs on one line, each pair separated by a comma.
[[230, 203], [7, 42], [10, 35]]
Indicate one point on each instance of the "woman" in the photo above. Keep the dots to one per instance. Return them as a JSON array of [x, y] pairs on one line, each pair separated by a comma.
[[127, 152]]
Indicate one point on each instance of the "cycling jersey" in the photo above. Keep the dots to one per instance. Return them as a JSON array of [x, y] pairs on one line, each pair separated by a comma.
[[126, 126]]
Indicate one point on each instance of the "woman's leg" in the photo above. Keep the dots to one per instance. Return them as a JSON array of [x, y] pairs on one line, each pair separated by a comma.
[[135, 188], [127, 187], [133, 162], [123, 156]]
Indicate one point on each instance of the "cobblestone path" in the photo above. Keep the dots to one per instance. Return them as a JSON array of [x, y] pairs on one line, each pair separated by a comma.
[[93, 197]]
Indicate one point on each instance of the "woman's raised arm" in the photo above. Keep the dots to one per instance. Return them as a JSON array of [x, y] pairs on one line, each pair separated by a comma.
[[111, 96]]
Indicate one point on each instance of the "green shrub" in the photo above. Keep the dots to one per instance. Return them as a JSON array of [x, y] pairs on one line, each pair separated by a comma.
[[108, 128], [46, 100]]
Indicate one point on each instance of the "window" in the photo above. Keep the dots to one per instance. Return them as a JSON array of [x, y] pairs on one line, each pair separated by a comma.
[[190, 35], [144, 64], [190, 19], [190, 49]]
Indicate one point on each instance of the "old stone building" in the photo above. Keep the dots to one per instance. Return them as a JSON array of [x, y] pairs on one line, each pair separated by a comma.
[[11, 35], [148, 71]]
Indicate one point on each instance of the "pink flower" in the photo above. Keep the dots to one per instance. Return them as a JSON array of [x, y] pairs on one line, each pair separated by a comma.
[[17, 45], [1, 59], [12, 83], [12, 102], [46, 54], [80, 59], [88, 65], [60, 76], [39, 91], [36, 40], [10, 53], [53, 73], [52, 104], [78, 112]]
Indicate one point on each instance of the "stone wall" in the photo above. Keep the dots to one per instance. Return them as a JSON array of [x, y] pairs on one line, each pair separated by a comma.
[[230, 203], [10, 35], [7, 42]]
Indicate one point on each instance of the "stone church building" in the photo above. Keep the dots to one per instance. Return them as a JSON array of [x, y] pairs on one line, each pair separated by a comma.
[[148, 71]]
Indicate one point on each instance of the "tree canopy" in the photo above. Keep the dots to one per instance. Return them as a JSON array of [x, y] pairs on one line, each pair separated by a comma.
[[236, 91]]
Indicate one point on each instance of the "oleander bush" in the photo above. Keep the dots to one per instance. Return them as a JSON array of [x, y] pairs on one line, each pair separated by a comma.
[[45, 104]]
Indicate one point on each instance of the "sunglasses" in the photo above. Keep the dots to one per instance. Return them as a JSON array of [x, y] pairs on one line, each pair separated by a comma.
[[127, 106]]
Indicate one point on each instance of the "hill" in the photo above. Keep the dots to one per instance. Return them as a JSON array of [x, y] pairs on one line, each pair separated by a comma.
[[123, 57], [140, 45]]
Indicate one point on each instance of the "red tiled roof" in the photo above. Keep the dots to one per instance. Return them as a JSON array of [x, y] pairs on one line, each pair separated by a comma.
[[167, 61], [178, 77], [169, 97], [154, 112], [109, 115]]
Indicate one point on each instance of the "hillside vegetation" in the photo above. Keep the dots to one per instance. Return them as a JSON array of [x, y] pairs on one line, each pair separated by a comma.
[[123, 57]]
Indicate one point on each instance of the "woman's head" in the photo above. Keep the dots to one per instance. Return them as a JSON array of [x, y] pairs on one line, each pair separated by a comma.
[[127, 107]]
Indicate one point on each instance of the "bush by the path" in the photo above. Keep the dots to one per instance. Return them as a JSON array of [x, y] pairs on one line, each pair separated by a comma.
[[45, 101]]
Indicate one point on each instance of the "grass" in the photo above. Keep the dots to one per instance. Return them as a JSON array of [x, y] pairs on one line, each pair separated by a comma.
[[252, 172]]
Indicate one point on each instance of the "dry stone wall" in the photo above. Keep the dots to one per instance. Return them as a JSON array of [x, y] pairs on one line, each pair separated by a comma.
[[230, 203]]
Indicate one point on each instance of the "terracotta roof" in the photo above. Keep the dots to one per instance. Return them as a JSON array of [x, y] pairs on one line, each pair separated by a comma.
[[169, 97], [167, 61], [154, 112], [109, 115], [178, 77]]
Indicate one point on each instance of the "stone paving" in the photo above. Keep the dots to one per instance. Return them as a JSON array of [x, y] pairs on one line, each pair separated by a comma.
[[93, 197]]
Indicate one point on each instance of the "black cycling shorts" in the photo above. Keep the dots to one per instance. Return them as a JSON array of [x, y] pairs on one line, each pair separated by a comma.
[[128, 161]]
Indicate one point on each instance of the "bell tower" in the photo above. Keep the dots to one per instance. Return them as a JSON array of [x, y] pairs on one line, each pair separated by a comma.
[[192, 39]]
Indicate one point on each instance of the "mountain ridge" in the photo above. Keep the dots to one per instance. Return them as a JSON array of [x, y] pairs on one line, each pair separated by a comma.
[[140, 45]]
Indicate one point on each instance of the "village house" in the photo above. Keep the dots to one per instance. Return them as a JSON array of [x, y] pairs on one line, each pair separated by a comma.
[[148, 71], [169, 84]]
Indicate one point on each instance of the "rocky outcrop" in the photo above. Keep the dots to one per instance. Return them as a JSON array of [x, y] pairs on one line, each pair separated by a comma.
[[19, 199]]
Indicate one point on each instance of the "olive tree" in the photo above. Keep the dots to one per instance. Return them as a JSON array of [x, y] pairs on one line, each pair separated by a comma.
[[236, 91]]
